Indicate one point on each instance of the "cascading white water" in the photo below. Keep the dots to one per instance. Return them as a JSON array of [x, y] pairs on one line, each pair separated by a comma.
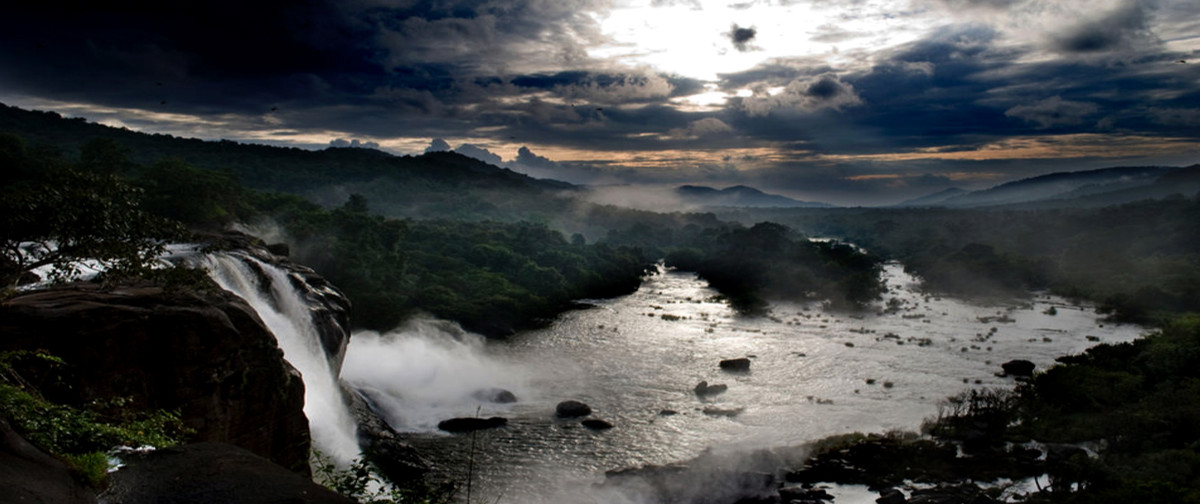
[[286, 313]]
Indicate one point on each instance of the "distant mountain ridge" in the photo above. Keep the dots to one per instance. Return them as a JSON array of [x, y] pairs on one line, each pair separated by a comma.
[[739, 196], [1089, 188]]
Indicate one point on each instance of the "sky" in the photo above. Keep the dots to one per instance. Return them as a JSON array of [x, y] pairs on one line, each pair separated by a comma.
[[852, 102]]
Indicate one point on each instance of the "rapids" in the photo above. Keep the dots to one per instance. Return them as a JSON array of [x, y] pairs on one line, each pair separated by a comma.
[[636, 359]]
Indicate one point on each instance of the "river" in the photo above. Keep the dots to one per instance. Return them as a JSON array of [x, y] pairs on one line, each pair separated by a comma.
[[636, 359]]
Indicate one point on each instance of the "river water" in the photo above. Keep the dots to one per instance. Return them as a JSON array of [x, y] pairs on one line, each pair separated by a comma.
[[636, 359]]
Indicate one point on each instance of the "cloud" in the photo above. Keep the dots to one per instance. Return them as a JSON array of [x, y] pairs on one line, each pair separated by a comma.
[[707, 127], [600, 88], [804, 94], [354, 144], [1125, 28], [437, 145], [474, 151], [741, 37], [1053, 111]]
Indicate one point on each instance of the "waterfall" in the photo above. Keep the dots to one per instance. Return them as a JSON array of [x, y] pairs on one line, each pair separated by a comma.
[[283, 307]]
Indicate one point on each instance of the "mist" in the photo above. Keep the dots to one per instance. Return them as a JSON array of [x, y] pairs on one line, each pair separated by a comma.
[[427, 371]]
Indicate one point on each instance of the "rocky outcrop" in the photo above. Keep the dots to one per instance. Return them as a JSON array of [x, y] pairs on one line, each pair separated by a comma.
[[572, 409], [28, 474], [329, 307], [198, 350], [703, 389], [206, 473], [739, 365]]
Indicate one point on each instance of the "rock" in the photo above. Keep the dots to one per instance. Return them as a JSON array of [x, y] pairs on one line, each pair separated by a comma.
[[279, 249], [740, 364], [596, 424], [891, 496], [396, 460], [28, 474], [468, 424], [495, 395], [572, 409], [725, 412], [1018, 368], [803, 494], [198, 350], [703, 389], [205, 473]]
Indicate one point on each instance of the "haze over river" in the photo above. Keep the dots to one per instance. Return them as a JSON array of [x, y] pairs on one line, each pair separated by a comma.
[[636, 358]]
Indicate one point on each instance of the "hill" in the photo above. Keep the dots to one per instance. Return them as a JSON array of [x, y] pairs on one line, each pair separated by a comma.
[[739, 196]]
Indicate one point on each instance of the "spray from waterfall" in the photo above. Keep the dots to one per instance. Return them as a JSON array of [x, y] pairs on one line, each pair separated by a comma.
[[283, 308]]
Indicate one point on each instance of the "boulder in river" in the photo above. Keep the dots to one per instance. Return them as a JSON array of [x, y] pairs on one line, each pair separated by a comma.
[[703, 389], [739, 364], [572, 409], [596, 424], [468, 424], [1018, 368], [495, 395], [725, 412]]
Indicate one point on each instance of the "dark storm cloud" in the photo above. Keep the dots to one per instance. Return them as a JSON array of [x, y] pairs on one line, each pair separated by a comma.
[[1126, 28], [226, 54], [741, 37]]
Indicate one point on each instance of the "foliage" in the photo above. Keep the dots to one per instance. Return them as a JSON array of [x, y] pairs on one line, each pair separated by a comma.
[[80, 435], [1139, 261], [768, 260], [70, 216]]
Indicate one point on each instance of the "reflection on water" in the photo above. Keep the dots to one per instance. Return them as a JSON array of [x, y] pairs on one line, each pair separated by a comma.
[[636, 359]]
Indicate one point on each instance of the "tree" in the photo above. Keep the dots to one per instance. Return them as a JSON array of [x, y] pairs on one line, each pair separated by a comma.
[[71, 216]]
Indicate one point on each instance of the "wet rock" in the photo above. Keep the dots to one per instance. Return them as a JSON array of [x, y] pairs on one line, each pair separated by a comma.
[[572, 409], [382, 445], [703, 389], [740, 364], [725, 412], [198, 350], [468, 424], [1018, 367], [891, 496], [495, 395], [596, 424], [279, 249], [803, 494], [204, 473]]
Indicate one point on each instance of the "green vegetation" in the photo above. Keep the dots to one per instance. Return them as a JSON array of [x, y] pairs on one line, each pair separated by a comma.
[[1138, 261], [65, 215], [1137, 404], [78, 434]]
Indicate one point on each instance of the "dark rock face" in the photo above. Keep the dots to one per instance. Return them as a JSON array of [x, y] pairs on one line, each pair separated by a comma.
[[1018, 368], [28, 474], [740, 365], [468, 424], [572, 409], [495, 395], [205, 473], [198, 350], [396, 459], [330, 308]]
